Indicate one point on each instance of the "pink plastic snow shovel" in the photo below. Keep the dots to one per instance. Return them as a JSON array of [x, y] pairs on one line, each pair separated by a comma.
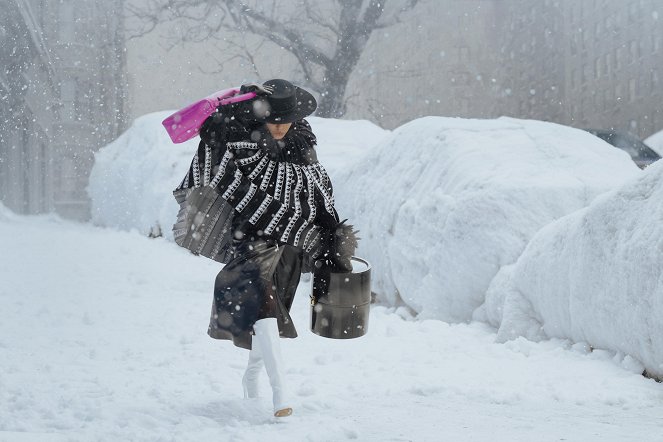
[[185, 123]]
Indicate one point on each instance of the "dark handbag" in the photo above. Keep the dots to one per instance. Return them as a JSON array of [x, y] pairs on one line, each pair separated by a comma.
[[204, 223], [340, 301]]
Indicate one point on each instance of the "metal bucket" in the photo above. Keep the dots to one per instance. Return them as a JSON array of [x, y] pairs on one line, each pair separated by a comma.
[[343, 302]]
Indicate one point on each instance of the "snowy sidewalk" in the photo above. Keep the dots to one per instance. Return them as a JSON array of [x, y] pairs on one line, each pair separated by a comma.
[[102, 337]]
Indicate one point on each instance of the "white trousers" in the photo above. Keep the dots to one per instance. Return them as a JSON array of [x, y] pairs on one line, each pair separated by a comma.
[[266, 351]]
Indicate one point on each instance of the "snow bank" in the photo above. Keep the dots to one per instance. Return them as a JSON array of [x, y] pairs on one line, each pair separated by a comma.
[[594, 276], [343, 143], [132, 179], [656, 142], [443, 203]]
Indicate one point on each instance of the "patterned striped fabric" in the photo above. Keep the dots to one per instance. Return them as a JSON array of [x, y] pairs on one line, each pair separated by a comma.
[[282, 191]]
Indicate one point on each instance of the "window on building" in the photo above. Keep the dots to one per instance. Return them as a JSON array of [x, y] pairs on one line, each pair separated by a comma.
[[608, 22], [463, 21], [655, 120], [460, 78], [632, 12], [584, 39], [574, 12], [617, 20], [463, 54], [462, 105], [597, 67], [634, 51], [618, 58], [574, 45], [68, 168], [574, 112], [583, 108], [654, 80], [68, 95], [607, 98], [66, 25], [84, 101], [586, 73], [632, 90]]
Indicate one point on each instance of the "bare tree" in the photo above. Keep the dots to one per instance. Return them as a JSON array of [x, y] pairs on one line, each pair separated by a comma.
[[325, 38]]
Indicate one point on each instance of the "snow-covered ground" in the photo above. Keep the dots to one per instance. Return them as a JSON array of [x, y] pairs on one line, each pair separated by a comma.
[[103, 337]]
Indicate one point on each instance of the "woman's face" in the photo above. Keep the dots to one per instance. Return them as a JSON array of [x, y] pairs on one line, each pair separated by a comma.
[[278, 131]]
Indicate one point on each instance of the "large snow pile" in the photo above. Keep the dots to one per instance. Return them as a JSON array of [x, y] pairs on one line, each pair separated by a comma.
[[594, 276], [656, 142], [343, 143], [132, 179], [444, 203]]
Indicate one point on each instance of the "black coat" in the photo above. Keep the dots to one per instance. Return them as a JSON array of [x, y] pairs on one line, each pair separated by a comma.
[[259, 282], [262, 206], [276, 188]]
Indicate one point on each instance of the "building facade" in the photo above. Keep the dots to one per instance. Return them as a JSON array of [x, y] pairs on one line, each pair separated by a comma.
[[67, 90], [597, 62], [613, 63], [584, 63], [440, 60], [27, 112]]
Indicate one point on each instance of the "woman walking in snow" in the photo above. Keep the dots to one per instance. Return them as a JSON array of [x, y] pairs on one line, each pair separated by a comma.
[[260, 201]]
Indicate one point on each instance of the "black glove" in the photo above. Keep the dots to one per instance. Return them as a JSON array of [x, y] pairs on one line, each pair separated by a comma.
[[343, 246], [259, 89], [337, 246]]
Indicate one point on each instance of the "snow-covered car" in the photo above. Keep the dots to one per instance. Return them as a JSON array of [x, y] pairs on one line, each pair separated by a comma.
[[641, 154]]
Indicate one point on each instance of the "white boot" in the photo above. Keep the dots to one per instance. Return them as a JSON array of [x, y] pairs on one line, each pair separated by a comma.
[[267, 335], [252, 373]]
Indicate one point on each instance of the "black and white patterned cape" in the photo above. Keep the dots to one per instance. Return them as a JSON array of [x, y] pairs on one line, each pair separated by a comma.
[[279, 188]]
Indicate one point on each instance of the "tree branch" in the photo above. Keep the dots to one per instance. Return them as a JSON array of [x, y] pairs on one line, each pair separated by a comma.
[[326, 42], [281, 35]]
